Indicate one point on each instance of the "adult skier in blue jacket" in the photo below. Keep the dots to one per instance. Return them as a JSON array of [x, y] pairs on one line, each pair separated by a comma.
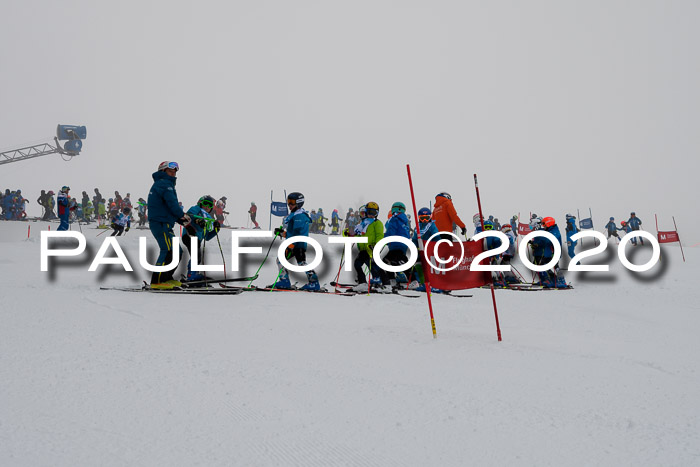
[[296, 224], [549, 278], [164, 211], [63, 201], [635, 223]]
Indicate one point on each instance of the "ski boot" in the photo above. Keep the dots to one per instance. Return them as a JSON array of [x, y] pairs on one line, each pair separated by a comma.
[[312, 287], [401, 278], [282, 283], [360, 288], [195, 276]]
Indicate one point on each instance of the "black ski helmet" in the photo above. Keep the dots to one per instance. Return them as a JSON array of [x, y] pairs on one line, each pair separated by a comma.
[[295, 200]]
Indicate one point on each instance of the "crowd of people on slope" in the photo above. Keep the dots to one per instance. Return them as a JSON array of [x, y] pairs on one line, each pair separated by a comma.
[[117, 212], [13, 205], [632, 224], [202, 222]]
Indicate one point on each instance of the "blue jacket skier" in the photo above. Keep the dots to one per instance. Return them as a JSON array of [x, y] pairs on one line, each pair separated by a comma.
[[397, 226], [202, 228], [634, 223], [571, 230], [63, 201], [612, 228], [121, 222], [165, 211], [296, 224], [549, 278]]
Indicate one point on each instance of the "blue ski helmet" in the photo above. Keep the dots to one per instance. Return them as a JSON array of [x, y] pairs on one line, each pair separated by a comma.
[[424, 215]]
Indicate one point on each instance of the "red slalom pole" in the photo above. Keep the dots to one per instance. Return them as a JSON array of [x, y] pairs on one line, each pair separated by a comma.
[[493, 294], [679, 237], [29, 229], [426, 269]]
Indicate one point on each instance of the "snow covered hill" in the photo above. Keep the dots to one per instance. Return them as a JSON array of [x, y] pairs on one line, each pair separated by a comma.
[[605, 374]]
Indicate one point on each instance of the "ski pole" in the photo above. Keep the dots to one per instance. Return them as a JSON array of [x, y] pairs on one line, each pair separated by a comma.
[[369, 275], [337, 276], [222, 253], [100, 233], [279, 273], [263, 262]]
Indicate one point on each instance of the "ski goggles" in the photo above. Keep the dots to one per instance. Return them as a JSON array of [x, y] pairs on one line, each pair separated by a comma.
[[488, 227], [207, 203], [169, 165], [424, 218]]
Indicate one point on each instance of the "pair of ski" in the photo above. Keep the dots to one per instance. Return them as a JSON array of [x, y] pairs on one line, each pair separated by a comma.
[[402, 292], [203, 287], [527, 287]]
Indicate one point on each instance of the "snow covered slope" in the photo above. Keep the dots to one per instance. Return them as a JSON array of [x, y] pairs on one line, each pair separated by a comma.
[[606, 374]]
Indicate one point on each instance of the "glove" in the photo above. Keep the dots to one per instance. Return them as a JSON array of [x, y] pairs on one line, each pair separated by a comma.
[[184, 220], [127, 229], [464, 231], [217, 226], [200, 222], [279, 231]]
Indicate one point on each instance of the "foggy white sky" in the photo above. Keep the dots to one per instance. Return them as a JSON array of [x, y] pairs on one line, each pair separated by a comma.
[[555, 104]]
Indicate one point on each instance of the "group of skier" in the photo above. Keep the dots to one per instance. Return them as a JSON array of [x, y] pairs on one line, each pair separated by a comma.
[[630, 225], [202, 222], [13, 205]]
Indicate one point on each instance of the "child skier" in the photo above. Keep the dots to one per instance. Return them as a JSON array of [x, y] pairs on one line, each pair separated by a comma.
[[321, 222], [141, 210], [373, 229], [121, 222], [548, 279], [335, 222], [397, 226], [571, 230], [101, 212], [296, 224], [507, 256], [427, 229], [612, 229], [203, 227]]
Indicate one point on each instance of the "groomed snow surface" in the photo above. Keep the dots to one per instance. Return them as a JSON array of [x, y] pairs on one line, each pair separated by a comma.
[[606, 374]]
